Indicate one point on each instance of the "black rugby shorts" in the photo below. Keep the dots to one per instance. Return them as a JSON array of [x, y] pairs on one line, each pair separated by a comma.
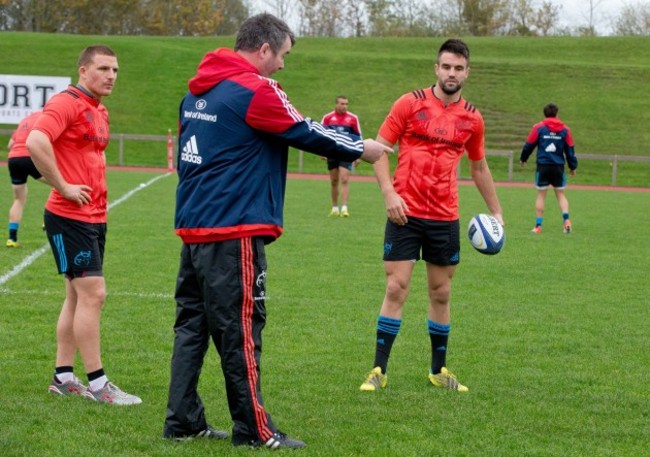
[[437, 241], [78, 247], [20, 168]]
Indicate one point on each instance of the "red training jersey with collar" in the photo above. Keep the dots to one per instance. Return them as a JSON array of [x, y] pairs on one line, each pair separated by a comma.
[[77, 125], [347, 122], [432, 139], [19, 137]]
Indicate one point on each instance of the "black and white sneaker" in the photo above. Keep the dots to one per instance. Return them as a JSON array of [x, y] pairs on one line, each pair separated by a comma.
[[281, 440], [207, 433], [278, 440]]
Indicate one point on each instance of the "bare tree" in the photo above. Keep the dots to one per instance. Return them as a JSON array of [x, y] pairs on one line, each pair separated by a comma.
[[407, 17], [356, 16], [591, 16], [634, 20], [485, 17], [320, 17], [280, 8], [522, 16], [122, 17], [234, 12], [450, 17], [547, 17]]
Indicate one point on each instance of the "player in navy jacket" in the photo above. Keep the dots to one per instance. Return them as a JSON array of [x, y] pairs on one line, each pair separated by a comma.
[[235, 129], [236, 125], [554, 144]]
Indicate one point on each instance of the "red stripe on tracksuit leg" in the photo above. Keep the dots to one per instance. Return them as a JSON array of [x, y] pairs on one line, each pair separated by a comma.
[[248, 304]]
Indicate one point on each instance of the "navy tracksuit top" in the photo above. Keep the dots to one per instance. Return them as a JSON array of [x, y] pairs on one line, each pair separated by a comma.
[[235, 129]]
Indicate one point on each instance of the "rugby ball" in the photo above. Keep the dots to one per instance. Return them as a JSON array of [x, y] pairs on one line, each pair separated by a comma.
[[486, 234]]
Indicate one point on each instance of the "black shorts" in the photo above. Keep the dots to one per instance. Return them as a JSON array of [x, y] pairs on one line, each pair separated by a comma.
[[20, 168], [78, 247], [333, 164], [438, 241], [550, 175]]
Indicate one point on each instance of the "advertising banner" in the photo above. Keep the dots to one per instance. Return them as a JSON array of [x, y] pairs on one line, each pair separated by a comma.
[[20, 95]]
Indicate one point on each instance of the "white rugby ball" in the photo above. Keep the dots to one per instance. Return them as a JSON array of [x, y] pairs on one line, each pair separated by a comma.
[[486, 234]]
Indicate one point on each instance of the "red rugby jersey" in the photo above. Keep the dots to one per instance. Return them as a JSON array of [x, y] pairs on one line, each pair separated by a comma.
[[18, 149], [78, 127], [432, 139], [348, 122]]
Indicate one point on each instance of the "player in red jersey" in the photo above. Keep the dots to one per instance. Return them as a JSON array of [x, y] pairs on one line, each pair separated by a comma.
[[341, 120], [67, 144], [434, 127], [21, 167]]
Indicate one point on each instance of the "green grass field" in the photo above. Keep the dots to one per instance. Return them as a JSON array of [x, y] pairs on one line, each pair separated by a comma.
[[551, 335], [597, 82]]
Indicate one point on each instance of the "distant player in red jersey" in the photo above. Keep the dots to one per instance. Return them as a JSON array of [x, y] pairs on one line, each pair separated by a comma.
[[67, 144], [343, 121], [434, 127], [21, 167]]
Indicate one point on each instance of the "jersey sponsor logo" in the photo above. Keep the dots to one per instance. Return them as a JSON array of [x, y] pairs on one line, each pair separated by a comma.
[[551, 148], [95, 138], [201, 104], [190, 152], [435, 139], [200, 116]]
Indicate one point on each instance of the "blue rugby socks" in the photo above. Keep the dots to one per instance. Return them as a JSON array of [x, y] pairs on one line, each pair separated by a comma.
[[387, 330], [439, 334]]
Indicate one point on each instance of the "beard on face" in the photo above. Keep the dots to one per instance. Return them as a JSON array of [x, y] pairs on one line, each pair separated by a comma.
[[450, 90]]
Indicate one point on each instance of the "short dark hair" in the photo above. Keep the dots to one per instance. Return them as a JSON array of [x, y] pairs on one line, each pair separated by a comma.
[[339, 97], [551, 110], [455, 46], [260, 29], [88, 54]]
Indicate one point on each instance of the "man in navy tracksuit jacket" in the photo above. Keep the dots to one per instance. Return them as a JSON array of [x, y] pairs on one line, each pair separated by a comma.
[[236, 125], [554, 144]]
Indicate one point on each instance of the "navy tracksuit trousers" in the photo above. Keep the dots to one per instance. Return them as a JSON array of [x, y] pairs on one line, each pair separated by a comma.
[[220, 295]]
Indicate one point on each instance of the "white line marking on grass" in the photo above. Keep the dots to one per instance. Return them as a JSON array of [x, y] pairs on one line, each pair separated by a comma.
[[156, 295], [27, 261]]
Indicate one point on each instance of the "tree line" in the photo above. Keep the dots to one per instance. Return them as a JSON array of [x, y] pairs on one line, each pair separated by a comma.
[[124, 17], [324, 18]]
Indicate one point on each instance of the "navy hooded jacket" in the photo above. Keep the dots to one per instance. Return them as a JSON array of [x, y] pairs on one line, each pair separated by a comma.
[[235, 130], [554, 144]]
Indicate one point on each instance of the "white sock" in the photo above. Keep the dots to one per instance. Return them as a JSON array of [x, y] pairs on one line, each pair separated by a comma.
[[98, 383], [65, 377], [335, 208], [344, 208]]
